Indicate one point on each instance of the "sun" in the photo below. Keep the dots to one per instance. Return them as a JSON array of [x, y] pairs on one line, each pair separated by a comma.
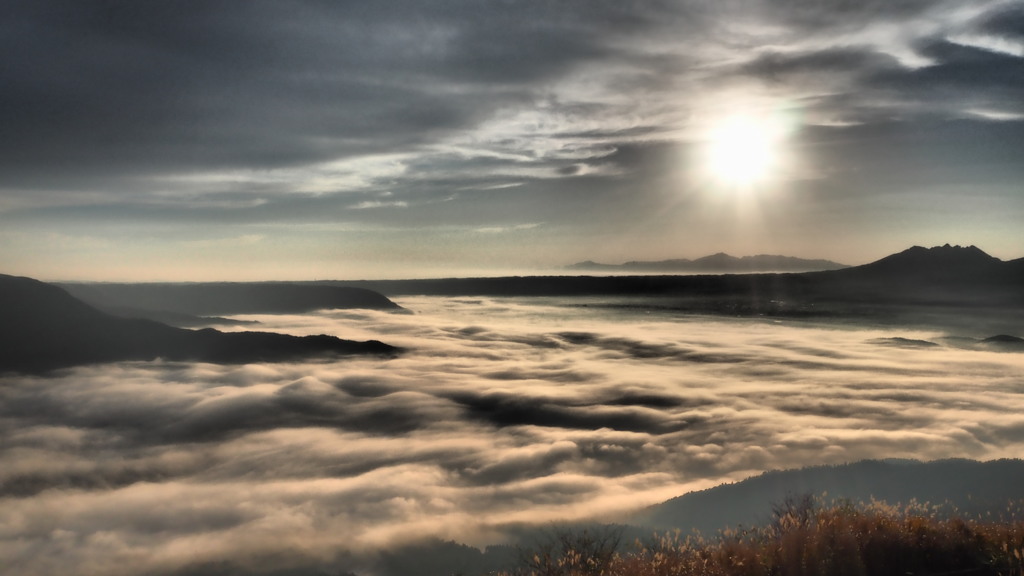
[[742, 151]]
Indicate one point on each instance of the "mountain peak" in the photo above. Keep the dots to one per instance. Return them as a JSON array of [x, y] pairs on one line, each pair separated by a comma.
[[945, 253], [43, 327], [962, 263]]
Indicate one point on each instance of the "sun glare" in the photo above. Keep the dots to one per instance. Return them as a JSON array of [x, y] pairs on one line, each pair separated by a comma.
[[742, 151]]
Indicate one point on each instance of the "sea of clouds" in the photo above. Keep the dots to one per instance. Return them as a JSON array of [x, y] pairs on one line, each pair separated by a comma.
[[500, 413]]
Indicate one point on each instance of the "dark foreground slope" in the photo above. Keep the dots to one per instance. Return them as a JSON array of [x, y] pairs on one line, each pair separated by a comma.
[[42, 327], [972, 487], [804, 539], [779, 537]]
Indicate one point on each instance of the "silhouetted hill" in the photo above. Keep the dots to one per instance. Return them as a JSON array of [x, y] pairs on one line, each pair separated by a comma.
[[1005, 343], [42, 327], [1004, 339], [204, 299], [716, 263], [940, 263], [972, 487], [939, 275]]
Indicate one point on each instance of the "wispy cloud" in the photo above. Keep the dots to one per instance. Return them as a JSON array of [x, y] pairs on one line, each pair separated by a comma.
[[503, 229], [368, 204], [258, 114]]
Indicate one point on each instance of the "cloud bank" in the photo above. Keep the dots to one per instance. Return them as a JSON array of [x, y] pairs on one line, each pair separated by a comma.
[[505, 412]]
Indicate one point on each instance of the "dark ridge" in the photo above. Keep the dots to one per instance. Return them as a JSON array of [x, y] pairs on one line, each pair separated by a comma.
[[905, 342], [970, 486], [1004, 343], [949, 276], [939, 275], [210, 299], [939, 262], [742, 285], [1004, 339], [43, 328]]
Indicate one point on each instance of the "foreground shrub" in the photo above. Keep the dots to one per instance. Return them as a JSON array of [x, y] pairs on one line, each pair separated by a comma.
[[805, 539], [589, 552]]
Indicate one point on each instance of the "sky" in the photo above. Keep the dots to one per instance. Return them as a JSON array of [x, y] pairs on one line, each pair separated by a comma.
[[216, 140], [502, 412]]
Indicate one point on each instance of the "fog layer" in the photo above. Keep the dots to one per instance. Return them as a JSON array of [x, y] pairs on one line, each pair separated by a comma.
[[503, 412]]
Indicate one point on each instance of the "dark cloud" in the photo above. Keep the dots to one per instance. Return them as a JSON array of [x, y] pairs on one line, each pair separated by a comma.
[[95, 477], [116, 88], [545, 373], [503, 410], [847, 14], [481, 334], [640, 350], [1007, 21], [850, 409], [430, 124], [298, 405], [904, 342], [806, 67], [522, 466], [907, 156], [651, 400], [168, 419], [871, 86], [365, 387], [970, 71]]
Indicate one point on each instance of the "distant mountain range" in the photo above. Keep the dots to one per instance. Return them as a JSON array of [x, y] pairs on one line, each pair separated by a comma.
[[940, 275], [952, 288], [42, 328], [716, 263]]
